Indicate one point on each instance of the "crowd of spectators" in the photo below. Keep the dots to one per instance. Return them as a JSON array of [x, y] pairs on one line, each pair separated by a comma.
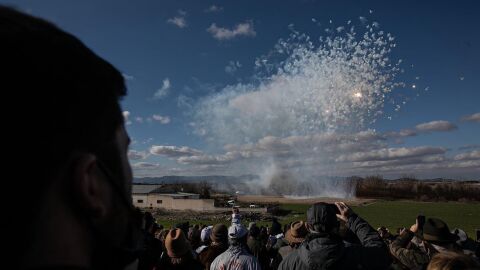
[[332, 237]]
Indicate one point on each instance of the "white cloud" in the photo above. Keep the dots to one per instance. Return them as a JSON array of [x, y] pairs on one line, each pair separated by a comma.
[[473, 155], [162, 119], [180, 22], [145, 165], [174, 151], [126, 114], [392, 153], [203, 160], [139, 119], [380, 164], [469, 147], [436, 126], [163, 91], [128, 77], [213, 9], [241, 29], [232, 67], [135, 155], [228, 157], [330, 153], [472, 118], [402, 133]]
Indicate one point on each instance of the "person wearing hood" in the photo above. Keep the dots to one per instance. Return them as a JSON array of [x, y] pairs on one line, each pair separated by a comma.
[[236, 257], [323, 248], [204, 239], [218, 245]]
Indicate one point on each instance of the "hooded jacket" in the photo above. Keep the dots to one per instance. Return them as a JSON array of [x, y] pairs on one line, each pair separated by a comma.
[[322, 251], [209, 254], [235, 258]]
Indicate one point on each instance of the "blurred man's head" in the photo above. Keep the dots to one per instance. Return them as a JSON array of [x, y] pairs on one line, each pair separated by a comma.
[[237, 234], [321, 218], [452, 261], [219, 234], [66, 133]]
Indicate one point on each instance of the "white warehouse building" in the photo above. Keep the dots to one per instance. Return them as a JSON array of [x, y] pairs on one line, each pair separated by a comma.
[[156, 196]]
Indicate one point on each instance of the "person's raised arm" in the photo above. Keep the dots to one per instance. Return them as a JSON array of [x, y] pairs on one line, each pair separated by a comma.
[[373, 252]]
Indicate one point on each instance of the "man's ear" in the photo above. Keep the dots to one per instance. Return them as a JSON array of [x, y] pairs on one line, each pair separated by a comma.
[[88, 187]]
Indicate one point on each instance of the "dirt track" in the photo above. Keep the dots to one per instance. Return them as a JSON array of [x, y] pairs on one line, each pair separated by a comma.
[[261, 199]]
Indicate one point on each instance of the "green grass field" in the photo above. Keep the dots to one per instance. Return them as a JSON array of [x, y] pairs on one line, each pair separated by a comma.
[[395, 214], [392, 214]]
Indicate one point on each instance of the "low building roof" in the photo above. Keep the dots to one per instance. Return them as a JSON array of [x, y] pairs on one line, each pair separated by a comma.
[[158, 189], [177, 194], [144, 189]]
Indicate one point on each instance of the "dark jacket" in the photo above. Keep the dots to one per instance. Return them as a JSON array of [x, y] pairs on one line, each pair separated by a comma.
[[209, 254], [328, 251], [282, 253], [150, 252], [259, 250]]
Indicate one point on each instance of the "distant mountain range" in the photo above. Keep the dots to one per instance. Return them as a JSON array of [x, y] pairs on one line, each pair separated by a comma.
[[172, 179]]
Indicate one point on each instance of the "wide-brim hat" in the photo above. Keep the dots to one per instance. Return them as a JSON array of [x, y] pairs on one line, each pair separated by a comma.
[[219, 233], [436, 231], [297, 232], [176, 243]]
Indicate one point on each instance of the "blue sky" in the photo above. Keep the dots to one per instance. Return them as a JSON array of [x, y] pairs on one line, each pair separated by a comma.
[[178, 55]]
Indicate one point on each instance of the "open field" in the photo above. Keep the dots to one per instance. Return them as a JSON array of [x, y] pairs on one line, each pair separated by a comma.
[[263, 199], [395, 214], [392, 214]]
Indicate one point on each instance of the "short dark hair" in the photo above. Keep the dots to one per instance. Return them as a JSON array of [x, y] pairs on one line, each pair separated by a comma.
[[62, 98], [70, 94]]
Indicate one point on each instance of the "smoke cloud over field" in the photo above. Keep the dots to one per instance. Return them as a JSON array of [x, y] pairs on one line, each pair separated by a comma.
[[307, 94]]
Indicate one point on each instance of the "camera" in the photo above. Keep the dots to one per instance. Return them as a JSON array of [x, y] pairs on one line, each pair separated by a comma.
[[333, 207]]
